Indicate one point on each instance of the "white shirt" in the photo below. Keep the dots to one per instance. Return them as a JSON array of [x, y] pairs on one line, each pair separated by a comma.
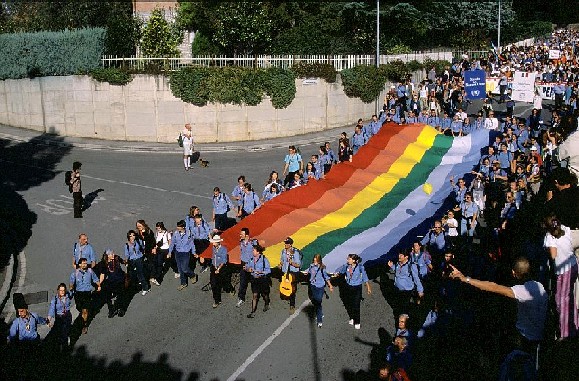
[[452, 231], [531, 309], [491, 123], [565, 258]]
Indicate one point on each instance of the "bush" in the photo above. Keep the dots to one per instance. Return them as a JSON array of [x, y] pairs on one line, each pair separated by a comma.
[[50, 53], [318, 70], [234, 85], [364, 82], [414, 65], [112, 75], [395, 71], [439, 65]]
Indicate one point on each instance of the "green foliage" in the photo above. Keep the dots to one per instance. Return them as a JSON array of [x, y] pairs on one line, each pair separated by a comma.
[[160, 38], [398, 48], [123, 35], [439, 65], [318, 70], [414, 65], [395, 71], [521, 30], [233, 85], [112, 75], [203, 46], [50, 53], [364, 82]]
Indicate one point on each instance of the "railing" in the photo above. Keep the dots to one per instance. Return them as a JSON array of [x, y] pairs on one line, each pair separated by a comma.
[[340, 62]]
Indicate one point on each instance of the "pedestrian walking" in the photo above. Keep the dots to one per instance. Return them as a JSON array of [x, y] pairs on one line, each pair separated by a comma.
[[81, 283], [75, 186], [246, 255], [187, 136], [259, 268], [134, 254], [181, 247], [293, 164], [83, 249], [221, 205], [319, 278], [112, 280], [219, 261], [290, 263], [355, 276], [59, 316]]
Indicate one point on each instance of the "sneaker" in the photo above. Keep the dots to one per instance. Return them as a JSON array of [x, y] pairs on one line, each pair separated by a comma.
[[194, 278], [319, 325], [154, 281], [144, 292], [215, 305], [177, 275], [292, 310], [351, 321], [121, 312], [251, 315], [356, 326], [112, 314], [181, 287], [239, 303], [265, 308]]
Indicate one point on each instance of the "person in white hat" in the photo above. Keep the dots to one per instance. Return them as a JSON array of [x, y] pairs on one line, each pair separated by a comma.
[[219, 261]]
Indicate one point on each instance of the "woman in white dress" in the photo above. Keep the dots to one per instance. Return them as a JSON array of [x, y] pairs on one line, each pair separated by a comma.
[[187, 149]]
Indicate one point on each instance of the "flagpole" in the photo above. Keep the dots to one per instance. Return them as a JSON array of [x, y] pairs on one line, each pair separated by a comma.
[[499, 30], [377, 43]]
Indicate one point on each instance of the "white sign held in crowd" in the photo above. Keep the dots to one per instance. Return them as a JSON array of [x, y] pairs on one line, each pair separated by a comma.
[[523, 87], [554, 54]]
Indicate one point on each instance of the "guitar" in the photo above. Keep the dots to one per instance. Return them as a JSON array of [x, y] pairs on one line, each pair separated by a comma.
[[287, 285]]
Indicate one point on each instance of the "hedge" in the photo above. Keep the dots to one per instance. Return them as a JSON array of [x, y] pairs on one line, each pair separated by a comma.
[[50, 53]]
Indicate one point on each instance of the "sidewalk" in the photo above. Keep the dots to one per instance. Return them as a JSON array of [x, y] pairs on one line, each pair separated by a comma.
[[25, 135]]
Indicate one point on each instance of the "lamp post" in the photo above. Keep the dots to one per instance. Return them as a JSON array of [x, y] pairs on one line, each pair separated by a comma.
[[377, 42], [499, 30]]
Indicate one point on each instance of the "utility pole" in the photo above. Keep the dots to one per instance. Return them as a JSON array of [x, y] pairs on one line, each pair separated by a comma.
[[499, 31]]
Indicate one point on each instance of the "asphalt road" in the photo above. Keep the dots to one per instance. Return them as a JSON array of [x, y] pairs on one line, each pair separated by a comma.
[[166, 331]]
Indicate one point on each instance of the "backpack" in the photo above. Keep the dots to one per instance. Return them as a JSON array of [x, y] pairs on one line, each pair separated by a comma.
[[180, 140], [68, 180]]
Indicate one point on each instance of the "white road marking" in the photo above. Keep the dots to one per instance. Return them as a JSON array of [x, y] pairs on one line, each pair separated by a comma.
[[267, 342]]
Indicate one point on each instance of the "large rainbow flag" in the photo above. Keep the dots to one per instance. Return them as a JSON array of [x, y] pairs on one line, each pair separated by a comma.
[[369, 207]]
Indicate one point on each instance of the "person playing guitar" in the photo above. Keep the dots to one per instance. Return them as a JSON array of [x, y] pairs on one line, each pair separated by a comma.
[[290, 263]]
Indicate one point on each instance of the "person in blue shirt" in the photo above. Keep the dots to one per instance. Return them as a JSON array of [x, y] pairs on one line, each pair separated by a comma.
[[293, 164], [355, 276], [246, 254], [24, 329], [456, 126], [358, 139], [403, 329], [81, 283], [238, 191], [83, 249], [459, 189], [59, 316], [469, 215], [200, 233], [319, 278], [311, 172], [181, 247], [219, 260], [221, 205], [411, 118], [375, 125], [445, 124], [190, 218], [422, 117], [290, 262], [406, 281], [505, 157], [259, 269], [134, 254], [272, 192], [398, 354], [333, 159], [435, 240], [320, 162], [433, 120], [249, 202], [422, 259]]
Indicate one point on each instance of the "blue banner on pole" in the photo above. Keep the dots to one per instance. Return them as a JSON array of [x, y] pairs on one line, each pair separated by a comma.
[[475, 84]]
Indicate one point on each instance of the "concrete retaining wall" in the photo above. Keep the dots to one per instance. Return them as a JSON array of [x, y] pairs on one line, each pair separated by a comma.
[[145, 110]]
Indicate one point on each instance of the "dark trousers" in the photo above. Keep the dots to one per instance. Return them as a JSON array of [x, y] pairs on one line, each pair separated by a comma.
[[244, 279], [221, 222], [289, 178], [182, 260], [62, 324], [352, 299], [77, 204], [155, 265], [137, 272], [110, 291], [402, 303], [216, 280], [316, 296]]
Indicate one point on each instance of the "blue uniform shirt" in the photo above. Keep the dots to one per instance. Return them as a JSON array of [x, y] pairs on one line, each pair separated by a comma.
[[200, 231], [406, 276], [318, 276], [505, 159], [296, 257], [246, 249], [83, 280], [182, 243], [433, 121], [238, 191], [319, 165], [59, 306], [367, 130], [456, 125], [220, 203], [219, 256], [293, 162], [250, 202], [260, 266], [358, 140], [355, 275], [83, 251], [445, 124], [436, 241], [375, 126], [331, 155], [134, 251], [25, 329], [459, 192], [267, 195], [422, 260]]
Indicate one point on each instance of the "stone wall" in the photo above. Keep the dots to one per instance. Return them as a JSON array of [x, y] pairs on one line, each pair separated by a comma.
[[146, 110]]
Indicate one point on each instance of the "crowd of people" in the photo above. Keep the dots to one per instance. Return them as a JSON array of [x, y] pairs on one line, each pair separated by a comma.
[[519, 171]]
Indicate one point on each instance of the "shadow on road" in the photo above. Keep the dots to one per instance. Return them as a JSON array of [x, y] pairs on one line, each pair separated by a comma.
[[24, 165]]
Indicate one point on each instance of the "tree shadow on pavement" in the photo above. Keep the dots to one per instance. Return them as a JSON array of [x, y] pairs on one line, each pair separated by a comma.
[[24, 165]]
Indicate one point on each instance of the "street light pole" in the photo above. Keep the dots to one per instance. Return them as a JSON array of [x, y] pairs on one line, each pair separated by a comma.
[[499, 30], [377, 42]]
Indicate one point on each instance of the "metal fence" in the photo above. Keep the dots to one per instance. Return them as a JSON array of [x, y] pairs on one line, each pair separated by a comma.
[[340, 62]]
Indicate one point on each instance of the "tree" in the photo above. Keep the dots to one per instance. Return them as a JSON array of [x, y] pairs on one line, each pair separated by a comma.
[[160, 38]]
